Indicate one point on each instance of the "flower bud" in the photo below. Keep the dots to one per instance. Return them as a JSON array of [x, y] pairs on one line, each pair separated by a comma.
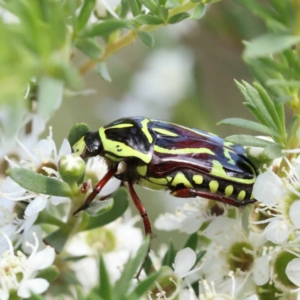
[[71, 168]]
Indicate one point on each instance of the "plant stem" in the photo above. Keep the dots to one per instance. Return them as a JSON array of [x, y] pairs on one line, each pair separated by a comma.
[[128, 38]]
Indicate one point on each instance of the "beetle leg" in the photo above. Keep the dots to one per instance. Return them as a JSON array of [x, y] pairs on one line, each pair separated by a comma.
[[192, 193], [97, 189], [140, 207]]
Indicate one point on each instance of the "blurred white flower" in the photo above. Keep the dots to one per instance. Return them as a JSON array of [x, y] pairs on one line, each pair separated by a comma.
[[18, 272], [115, 241], [281, 199]]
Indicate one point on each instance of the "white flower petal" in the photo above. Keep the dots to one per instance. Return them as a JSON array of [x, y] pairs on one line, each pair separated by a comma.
[[56, 200], [184, 261], [293, 271], [42, 259], [167, 222], [35, 206], [32, 286], [261, 272], [65, 148], [222, 230], [191, 223], [295, 213], [267, 188], [277, 231]]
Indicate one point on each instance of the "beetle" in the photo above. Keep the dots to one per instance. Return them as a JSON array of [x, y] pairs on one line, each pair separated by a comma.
[[163, 156]]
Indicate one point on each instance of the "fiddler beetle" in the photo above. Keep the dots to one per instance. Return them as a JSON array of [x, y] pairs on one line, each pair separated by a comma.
[[163, 156]]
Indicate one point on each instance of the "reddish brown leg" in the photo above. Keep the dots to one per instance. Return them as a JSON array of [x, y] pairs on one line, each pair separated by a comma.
[[97, 189], [140, 207]]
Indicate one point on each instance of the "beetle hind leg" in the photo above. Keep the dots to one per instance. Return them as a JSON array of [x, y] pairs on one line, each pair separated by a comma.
[[192, 193]]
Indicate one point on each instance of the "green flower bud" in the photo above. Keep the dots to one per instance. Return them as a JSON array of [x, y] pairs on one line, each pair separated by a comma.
[[71, 168]]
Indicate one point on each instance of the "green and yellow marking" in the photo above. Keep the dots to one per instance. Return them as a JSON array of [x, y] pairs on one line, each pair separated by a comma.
[[145, 129], [123, 125], [79, 147], [142, 170], [111, 146], [213, 186], [160, 181], [183, 150], [227, 154], [218, 170], [198, 179], [165, 132], [241, 196], [150, 185], [181, 179], [228, 190]]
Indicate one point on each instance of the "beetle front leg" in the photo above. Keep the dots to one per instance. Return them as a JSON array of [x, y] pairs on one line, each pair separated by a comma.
[[97, 189]]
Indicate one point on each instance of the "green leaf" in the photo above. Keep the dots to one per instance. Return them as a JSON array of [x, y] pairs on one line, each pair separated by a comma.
[[105, 289], [97, 208], [101, 69], [248, 140], [121, 204], [50, 273], [152, 6], [134, 6], [107, 27], [249, 125], [198, 12], [130, 270], [50, 92], [169, 258], [146, 38], [85, 13], [178, 18], [173, 4], [144, 286], [89, 47], [58, 239], [77, 132], [38, 183], [149, 19], [270, 43], [192, 241], [273, 151]]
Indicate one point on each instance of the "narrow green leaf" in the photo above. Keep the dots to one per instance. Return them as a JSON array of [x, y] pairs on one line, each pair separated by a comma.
[[146, 38], [173, 4], [148, 19], [198, 12], [178, 18], [107, 27], [270, 43], [97, 208], [89, 47], [57, 239], [130, 270], [38, 183], [85, 13], [269, 105], [50, 92], [144, 286], [192, 241], [121, 200], [248, 140], [151, 5], [249, 125], [273, 151], [134, 7], [77, 132], [105, 289], [101, 69], [169, 258]]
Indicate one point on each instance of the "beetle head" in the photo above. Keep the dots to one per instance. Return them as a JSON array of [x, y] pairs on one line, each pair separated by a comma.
[[88, 145]]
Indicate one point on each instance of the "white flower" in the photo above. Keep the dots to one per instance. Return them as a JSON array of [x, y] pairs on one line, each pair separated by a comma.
[[115, 241], [232, 250], [281, 198], [11, 265], [190, 217]]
